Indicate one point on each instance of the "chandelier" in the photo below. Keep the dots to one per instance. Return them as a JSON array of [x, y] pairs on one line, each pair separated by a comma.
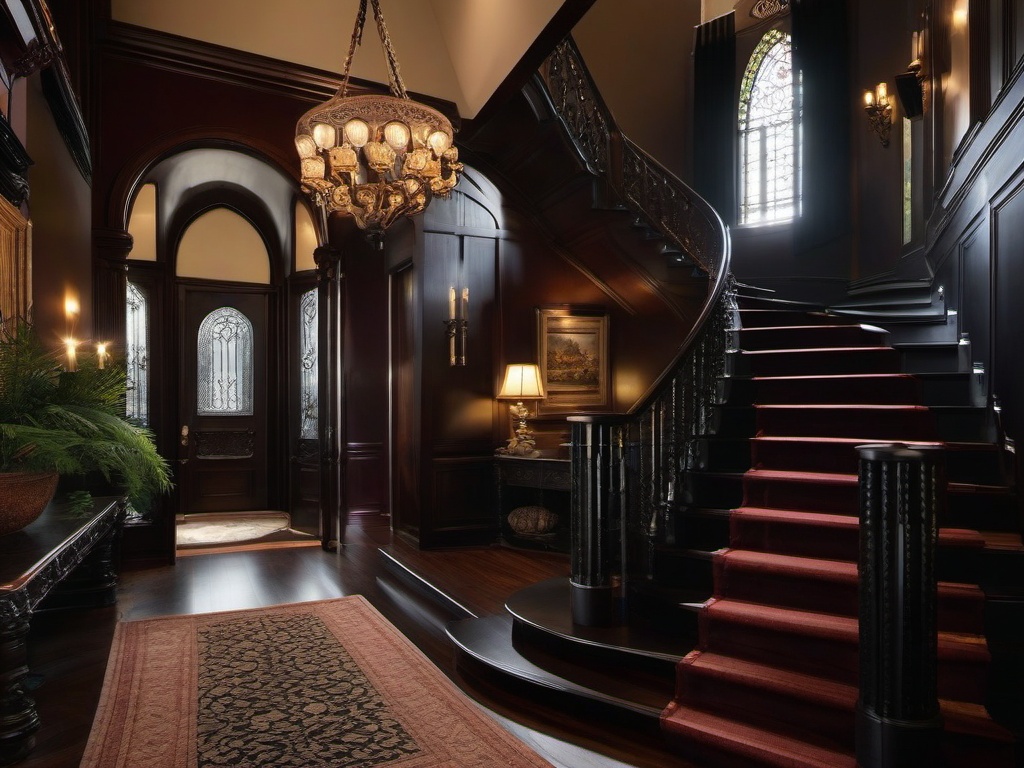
[[375, 157]]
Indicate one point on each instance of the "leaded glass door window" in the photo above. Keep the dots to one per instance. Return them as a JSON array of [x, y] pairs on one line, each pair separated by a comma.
[[137, 355], [224, 364], [768, 133], [308, 395]]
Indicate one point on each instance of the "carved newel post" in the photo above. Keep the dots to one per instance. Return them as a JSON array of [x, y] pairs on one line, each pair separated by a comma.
[[331, 401], [898, 720]]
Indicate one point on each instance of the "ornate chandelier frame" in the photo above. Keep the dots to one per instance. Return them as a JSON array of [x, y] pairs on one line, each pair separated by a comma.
[[375, 157]]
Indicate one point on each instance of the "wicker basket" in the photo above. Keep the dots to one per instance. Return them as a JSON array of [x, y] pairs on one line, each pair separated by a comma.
[[23, 497]]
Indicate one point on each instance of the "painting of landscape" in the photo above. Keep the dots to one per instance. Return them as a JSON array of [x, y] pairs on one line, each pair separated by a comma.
[[573, 359]]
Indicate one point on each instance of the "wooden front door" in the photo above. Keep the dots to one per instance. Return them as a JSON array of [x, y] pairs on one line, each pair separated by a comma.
[[222, 442]]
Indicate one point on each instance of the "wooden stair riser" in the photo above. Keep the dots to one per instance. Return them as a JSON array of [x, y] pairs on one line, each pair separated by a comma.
[[819, 362], [877, 389], [774, 318], [807, 337], [981, 464], [869, 424]]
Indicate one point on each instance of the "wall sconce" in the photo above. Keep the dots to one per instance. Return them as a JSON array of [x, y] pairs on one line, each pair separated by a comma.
[[457, 325], [879, 111], [910, 84], [522, 382]]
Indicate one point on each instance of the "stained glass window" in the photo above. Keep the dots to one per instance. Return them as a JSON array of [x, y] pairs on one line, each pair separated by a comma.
[[307, 372], [137, 355], [768, 133], [224, 379]]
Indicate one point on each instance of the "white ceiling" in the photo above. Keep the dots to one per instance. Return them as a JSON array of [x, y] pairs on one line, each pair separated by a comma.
[[459, 50]]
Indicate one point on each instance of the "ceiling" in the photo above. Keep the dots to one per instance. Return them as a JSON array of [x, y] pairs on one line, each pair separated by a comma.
[[458, 50]]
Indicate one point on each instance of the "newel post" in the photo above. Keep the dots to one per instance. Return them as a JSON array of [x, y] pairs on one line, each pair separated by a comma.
[[597, 508], [898, 719]]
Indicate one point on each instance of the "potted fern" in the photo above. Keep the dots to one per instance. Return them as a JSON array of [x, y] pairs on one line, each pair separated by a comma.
[[59, 424]]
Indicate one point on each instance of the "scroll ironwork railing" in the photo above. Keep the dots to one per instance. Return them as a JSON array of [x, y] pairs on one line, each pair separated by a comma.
[[656, 443]]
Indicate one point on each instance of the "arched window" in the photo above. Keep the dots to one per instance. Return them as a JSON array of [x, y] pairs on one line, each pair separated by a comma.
[[308, 375], [768, 129], [225, 364]]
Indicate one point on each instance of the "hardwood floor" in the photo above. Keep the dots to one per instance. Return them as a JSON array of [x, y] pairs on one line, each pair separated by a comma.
[[69, 648]]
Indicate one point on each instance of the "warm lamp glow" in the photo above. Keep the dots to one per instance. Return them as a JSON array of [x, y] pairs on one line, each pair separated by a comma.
[[522, 382], [71, 307]]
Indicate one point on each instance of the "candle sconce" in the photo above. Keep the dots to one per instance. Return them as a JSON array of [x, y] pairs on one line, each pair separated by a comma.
[[879, 112], [457, 326]]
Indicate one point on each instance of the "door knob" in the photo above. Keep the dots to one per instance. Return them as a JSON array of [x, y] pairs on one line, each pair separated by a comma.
[[184, 435]]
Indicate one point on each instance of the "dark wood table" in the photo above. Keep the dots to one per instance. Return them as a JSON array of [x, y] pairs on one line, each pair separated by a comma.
[[63, 559]]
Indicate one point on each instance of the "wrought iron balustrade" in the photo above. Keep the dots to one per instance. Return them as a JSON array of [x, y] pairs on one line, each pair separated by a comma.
[[655, 445]]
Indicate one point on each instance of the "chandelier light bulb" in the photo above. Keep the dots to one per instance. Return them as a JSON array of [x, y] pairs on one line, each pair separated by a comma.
[[397, 135], [357, 132], [324, 135]]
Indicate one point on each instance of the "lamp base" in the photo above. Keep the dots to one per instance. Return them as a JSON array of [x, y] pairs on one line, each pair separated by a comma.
[[520, 446]]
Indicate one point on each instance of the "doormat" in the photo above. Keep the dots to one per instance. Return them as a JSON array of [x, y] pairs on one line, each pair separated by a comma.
[[326, 683], [233, 531]]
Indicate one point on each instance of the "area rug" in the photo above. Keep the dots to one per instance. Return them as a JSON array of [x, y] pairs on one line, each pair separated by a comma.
[[327, 683]]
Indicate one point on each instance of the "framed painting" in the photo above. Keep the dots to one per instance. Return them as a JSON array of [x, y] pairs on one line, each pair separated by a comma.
[[573, 355]]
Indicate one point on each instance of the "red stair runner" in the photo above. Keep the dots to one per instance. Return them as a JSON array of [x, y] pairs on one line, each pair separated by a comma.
[[773, 680]]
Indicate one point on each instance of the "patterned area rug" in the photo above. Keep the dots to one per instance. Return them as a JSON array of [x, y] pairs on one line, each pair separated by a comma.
[[327, 683]]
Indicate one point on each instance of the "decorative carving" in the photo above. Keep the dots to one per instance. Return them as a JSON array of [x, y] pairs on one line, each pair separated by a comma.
[[37, 56], [765, 9], [225, 444], [532, 520]]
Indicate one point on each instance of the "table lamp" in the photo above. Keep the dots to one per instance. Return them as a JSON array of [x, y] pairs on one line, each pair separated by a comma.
[[522, 382]]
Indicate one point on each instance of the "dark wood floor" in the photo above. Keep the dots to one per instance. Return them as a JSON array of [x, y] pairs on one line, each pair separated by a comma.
[[69, 649]]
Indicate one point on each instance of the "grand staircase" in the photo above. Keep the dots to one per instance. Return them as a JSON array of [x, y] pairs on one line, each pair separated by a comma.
[[762, 562], [773, 679]]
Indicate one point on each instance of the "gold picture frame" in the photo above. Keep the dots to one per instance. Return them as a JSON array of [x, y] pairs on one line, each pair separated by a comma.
[[572, 349]]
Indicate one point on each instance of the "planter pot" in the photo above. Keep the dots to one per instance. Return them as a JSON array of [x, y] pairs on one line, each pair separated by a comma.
[[23, 497]]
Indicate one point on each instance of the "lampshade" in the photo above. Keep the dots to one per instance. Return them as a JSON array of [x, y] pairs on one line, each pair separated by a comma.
[[522, 382]]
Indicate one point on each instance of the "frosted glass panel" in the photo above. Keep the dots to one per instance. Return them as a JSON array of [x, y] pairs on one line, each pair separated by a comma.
[[137, 355], [225, 364], [308, 379]]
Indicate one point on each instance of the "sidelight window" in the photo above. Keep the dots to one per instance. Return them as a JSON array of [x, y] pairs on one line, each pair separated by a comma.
[[137, 355], [768, 133], [307, 372], [224, 380]]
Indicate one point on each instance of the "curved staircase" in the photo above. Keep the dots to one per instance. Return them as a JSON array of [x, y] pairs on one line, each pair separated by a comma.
[[763, 562]]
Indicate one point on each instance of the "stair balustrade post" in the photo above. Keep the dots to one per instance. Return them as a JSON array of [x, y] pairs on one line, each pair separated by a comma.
[[898, 719], [597, 508]]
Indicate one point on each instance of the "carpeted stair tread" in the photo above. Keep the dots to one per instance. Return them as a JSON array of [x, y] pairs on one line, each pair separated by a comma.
[[795, 701], [827, 644], [728, 743], [817, 584]]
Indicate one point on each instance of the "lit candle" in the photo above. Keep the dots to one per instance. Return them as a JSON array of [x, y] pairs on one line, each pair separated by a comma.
[[465, 303], [915, 46], [101, 356], [451, 303], [882, 94], [69, 345], [869, 98], [70, 308]]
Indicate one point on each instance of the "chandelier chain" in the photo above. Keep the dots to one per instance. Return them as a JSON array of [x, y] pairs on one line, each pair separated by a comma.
[[395, 84]]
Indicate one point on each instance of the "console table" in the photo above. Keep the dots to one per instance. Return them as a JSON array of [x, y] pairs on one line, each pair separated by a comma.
[[527, 481], [71, 558]]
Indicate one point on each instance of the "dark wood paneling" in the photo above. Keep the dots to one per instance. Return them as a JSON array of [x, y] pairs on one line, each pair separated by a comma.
[[464, 502], [1008, 309], [367, 490]]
